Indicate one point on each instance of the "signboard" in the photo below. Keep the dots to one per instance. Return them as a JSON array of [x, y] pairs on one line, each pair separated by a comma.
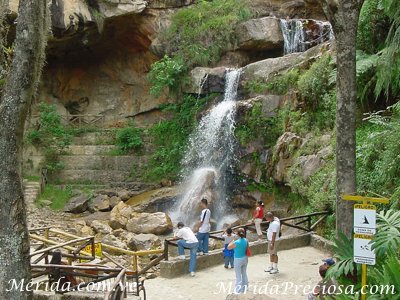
[[97, 250], [363, 254], [364, 219]]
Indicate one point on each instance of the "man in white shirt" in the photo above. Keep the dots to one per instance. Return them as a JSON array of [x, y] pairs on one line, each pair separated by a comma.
[[204, 227], [187, 240], [273, 236]]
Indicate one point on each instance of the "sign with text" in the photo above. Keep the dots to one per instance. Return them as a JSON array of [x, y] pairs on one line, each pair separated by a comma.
[[97, 250], [363, 253], [364, 219]]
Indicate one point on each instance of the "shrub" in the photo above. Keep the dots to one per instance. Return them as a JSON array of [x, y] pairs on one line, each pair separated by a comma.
[[171, 136], [50, 135], [200, 33], [315, 82], [129, 138], [166, 73]]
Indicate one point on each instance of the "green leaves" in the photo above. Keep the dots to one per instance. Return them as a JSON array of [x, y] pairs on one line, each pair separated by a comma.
[[166, 73], [343, 250], [129, 138], [387, 237], [51, 136]]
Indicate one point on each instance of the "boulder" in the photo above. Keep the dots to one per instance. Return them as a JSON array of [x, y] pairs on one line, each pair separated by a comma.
[[287, 143], [113, 241], [101, 227], [114, 200], [87, 231], [309, 165], [206, 81], [260, 34], [154, 200], [100, 203], [144, 242], [124, 195], [156, 223], [120, 215], [77, 204]]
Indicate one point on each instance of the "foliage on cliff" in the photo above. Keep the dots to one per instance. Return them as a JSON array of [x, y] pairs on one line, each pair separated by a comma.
[[171, 136], [50, 135], [197, 36]]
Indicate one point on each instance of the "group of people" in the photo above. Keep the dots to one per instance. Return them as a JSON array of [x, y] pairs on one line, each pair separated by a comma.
[[236, 246]]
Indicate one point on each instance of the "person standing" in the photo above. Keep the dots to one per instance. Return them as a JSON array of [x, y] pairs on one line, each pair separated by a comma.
[[204, 227], [228, 236], [187, 240], [258, 216], [241, 260], [273, 236]]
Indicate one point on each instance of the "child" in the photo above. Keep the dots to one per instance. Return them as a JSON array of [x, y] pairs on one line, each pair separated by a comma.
[[228, 236], [258, 216]]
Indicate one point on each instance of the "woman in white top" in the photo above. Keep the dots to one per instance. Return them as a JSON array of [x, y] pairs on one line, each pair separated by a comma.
[[187, 240]]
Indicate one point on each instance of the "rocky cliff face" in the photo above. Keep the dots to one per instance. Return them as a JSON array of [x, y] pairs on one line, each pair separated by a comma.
[[99, 53]]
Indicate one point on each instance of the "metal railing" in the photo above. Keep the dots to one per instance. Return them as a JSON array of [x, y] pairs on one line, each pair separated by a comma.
[[297, 221]]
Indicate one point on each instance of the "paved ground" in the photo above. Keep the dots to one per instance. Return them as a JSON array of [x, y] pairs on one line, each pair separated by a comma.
[[297, 267]]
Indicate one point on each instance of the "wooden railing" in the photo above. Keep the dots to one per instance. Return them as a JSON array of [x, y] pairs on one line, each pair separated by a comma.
[[80, 120]]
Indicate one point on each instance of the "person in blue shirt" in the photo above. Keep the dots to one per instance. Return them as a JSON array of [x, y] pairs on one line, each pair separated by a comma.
[[240, 263]]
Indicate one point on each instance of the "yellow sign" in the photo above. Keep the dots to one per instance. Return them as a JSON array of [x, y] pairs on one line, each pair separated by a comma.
[[364, 206], [97, 249]]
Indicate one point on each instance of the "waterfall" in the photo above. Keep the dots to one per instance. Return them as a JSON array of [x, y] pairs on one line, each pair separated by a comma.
[[209, 158], [300, 35], [293, 36]]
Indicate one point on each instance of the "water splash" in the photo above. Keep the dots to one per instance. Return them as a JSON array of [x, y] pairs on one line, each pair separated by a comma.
[[209, 158]]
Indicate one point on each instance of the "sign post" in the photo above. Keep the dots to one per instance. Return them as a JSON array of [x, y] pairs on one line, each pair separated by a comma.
[[364, 229]]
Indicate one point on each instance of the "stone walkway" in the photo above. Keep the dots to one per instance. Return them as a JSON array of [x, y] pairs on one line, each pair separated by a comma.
[[297, 267]]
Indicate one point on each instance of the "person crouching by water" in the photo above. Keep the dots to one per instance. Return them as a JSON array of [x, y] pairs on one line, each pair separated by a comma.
[[240, 245], [228, 236], [258, 216], [189, 241]]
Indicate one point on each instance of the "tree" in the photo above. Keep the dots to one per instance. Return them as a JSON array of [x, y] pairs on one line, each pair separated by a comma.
[[343, 15], [18, 90]]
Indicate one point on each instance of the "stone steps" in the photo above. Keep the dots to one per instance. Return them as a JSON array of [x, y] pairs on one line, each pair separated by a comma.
[[102, 162], [104, 137], [31, 192], [90, 149], [94, 176]]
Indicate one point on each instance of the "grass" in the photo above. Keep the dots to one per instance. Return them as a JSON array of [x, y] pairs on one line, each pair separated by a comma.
[[32, 178], [58, 196]]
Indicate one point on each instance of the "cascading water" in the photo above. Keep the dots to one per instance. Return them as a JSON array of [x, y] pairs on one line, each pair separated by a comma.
[[293, 36], [209, 158], [300, 35]]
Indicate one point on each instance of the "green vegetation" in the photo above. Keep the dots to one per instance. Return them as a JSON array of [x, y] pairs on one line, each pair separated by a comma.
[[56, 195], [378, 155], [171, 136], [256, 125], [166, 73], [197, 36], [279, 85], [129, 138], [51, 136], [315, 82], [386, 271]]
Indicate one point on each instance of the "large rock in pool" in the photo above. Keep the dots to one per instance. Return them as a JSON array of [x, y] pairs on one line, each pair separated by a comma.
[[156, 223]]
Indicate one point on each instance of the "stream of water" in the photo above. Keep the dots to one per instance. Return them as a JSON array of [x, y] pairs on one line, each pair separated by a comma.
[[209, 158]]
